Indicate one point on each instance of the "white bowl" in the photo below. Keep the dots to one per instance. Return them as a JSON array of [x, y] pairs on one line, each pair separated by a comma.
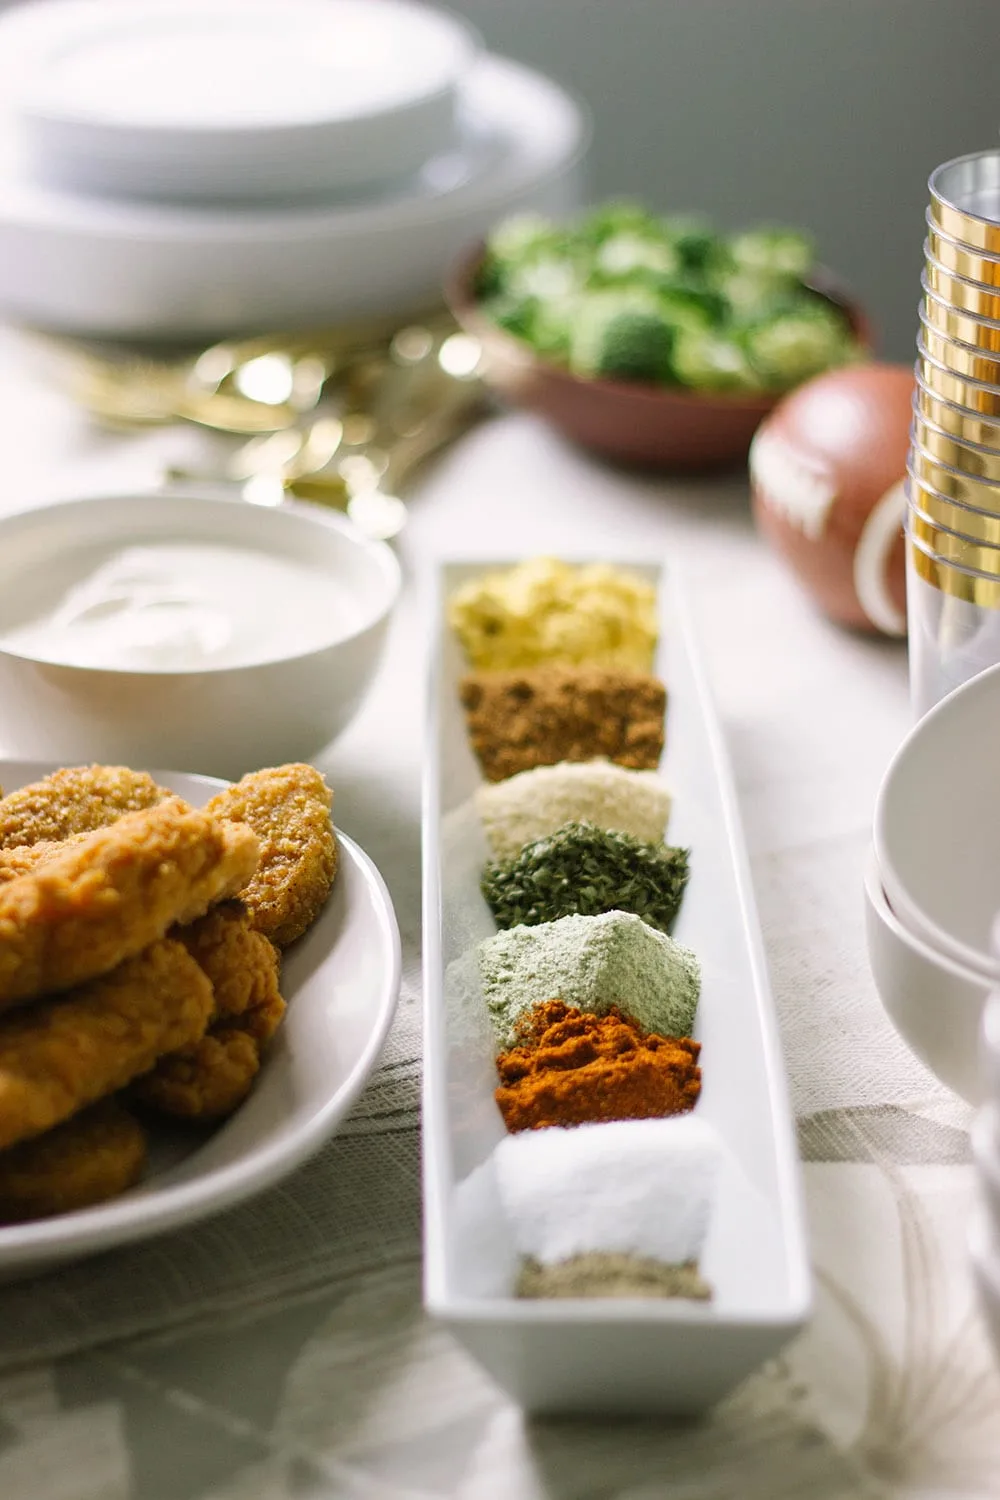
[[937, 825], [216, 100], [984, 1253], [100, 266], [228, 712], [935, 1003], [989, 1047]]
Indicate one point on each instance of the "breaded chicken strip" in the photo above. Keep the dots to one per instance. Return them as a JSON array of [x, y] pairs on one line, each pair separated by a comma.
[[209, 1078], [205, 1081], [77, 800], [109, 896], [96, 1155], [241, 963], [288, 808], [61, 1054]]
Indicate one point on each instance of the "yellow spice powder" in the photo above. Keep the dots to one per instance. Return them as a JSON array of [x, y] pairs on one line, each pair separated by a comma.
[[544, 610]]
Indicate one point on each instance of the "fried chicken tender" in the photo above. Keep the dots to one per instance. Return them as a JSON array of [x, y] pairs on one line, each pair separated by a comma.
[[63, 1053], [21, 859], [241, 963], [107, 897], [288, 808], [205, 1081], [78, 800], [208, 1079], [94, 1156]]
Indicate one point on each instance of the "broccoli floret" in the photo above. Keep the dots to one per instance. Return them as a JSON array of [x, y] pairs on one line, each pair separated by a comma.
[[553, 325], [542, 277], [797, 345], [622, 255], [514, 315], [617, 217], [708, 361], [755, 296], [697, 245], [521, 235], [619, 337], [785, 252]]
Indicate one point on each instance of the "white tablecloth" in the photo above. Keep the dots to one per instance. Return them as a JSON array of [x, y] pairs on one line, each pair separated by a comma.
[[329, 1381]]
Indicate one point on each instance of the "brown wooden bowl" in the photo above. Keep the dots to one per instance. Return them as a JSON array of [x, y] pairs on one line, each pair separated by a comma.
[[645, 426]]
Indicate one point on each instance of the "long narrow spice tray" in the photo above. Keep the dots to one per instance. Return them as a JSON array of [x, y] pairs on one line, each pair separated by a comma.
[[675, 1353]]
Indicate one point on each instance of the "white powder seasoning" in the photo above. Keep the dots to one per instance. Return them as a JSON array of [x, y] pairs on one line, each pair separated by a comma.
[[535, 803]]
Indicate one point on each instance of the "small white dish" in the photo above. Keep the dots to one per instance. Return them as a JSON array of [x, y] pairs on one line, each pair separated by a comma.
[[224, 719], [935, 1003], [984, 1253], [228, 100], [604, 1354], [936, 828], [104, 267], [341, 981]]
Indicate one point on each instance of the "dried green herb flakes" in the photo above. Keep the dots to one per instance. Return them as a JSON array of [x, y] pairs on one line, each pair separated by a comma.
[[581, 870]]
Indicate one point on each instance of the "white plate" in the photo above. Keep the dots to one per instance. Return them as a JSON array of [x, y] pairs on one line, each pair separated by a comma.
[[100, 267], [230, 99], [627, 1355], [341, 981]]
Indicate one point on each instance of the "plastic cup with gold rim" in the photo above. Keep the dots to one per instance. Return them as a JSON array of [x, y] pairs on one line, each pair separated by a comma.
[[970, 296], [968, 458], [950, 578], [961, 359], [965, 199], [977, 395], [974, 265], [973, 525], [953, 484], [967, 426], [980, 556], [982, 333]]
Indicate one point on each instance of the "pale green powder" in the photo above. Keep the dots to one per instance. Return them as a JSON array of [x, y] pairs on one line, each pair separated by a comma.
[[592, 963], [533, 804]]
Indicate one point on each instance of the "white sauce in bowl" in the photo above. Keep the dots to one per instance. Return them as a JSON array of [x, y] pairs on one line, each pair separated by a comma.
[[177, 606]]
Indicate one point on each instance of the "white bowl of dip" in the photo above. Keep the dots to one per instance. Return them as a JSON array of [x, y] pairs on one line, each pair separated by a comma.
[[192, 631]]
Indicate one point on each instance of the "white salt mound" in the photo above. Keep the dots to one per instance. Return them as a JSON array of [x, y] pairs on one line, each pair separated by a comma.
[[535, 803], [634, 1187]]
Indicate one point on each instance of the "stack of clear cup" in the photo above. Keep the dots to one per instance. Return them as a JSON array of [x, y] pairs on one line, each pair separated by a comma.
[[953, 483]]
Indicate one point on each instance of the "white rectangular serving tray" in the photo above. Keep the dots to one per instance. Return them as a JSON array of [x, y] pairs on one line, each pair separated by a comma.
[[625, 1355]]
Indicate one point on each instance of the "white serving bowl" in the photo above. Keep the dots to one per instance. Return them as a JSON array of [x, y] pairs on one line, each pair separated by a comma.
[[937, 825], [984, 1252], [140, 270], [229, 100], [222, 720], [935, 1003]]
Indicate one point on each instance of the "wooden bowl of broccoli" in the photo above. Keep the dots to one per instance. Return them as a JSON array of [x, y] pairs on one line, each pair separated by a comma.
[[653, 341]]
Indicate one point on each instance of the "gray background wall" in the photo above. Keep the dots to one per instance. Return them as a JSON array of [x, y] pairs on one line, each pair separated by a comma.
[[824, 113]]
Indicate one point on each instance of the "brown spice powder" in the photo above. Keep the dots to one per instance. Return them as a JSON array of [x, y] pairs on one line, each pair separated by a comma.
[[543, 715], [574, 1068]]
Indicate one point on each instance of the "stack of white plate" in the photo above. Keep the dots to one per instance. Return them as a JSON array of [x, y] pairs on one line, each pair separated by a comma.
[[190, 167], [932, 886], [984, 1236], [933, 897]]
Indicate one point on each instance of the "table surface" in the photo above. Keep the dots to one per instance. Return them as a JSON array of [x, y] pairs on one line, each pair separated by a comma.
[[344, 1388]]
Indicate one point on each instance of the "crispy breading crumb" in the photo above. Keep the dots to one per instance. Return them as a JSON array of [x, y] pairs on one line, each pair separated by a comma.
[[94, 1156], [110, 895], [543, 715], [58, 1055], [79, 799], [288, 808]]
